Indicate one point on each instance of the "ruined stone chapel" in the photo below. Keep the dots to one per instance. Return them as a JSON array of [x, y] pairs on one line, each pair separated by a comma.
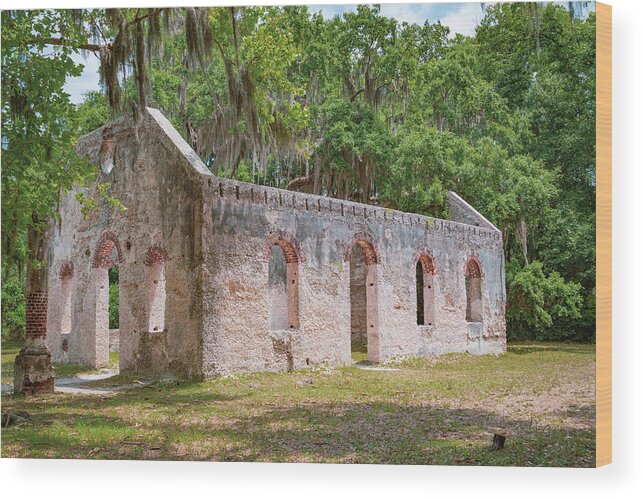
[[218, 276]]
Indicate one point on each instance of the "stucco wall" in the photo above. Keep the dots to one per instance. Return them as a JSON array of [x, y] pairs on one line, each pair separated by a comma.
[[156, 184], [241, 222], [214, 237], [461, 211]]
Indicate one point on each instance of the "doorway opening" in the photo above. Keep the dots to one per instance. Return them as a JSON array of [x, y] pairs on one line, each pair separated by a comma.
[[363, 303]]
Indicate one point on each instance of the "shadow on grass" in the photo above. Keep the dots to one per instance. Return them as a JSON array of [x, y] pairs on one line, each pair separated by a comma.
[[236, 420], [211, 426], [70, 370], [392, 434], [359, 354], [574, 348]]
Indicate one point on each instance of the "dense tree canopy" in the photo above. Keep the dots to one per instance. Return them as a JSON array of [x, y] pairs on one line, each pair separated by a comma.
[[360, 107]]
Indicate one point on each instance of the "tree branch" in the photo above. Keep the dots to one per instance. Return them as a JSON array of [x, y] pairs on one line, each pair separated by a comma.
[[356, 94], [155, 12], [62, 42]]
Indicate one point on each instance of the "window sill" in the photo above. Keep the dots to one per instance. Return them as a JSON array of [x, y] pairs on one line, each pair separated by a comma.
[[474, 330], [425, 330]]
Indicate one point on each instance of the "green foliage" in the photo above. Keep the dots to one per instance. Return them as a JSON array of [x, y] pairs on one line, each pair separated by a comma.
[[423, 158], [13, 308], [39, 129], [92, 202], [373, 109], [536, 301], [113, 298], [92, 113]]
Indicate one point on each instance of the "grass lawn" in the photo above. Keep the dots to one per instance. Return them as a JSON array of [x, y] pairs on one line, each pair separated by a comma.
[[430, 411], [9, 352]]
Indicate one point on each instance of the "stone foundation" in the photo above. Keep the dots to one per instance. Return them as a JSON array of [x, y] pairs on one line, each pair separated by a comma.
[[33, 372]]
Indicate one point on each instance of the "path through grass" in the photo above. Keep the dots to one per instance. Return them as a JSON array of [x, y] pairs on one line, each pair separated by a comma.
[[10, 350]]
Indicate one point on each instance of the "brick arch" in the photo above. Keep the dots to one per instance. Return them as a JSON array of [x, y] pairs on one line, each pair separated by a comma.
[[103, 253], [427, 261], [155, 254], [288, 245], [366, 242], [66, 270], [473, 268]]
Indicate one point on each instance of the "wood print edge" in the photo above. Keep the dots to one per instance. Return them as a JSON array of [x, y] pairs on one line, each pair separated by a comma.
[[603, 234]]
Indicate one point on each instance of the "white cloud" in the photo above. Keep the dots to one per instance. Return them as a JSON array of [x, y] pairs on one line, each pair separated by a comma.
[[88, 80], [460, 17], [464, 19], [408, 12]]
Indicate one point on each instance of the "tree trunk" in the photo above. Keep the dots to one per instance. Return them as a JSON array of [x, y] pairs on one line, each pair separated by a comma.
[[316, 174], [140, 73], [33, 372], [521, 236], [537, 29], [571, 20]]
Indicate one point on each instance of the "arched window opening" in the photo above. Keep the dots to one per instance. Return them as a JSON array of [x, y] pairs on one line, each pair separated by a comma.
[[425, 294], [473, 285], [155, 262], [66, 274], [63, 321], [114, 298], [107, 257], [65, 297], [283, 287], [363, 302]]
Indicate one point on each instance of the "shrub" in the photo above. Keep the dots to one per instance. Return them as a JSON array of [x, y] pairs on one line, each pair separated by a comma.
[[13, 308]]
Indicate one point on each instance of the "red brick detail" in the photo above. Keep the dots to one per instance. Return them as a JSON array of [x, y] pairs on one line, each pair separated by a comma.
[[66, 270], [365, 241], [103, 252], [36, 314], [427, 261], [287, 243], [155, 255], [473, 268]]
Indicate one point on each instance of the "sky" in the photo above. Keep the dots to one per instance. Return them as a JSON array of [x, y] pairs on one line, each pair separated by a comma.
[[459, 17]]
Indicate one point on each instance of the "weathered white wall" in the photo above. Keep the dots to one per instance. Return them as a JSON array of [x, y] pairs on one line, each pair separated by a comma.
[[243, 219], [217, 237], [156, 182]]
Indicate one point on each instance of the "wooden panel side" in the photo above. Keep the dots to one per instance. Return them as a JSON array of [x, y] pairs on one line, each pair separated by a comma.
[[603, 234]]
